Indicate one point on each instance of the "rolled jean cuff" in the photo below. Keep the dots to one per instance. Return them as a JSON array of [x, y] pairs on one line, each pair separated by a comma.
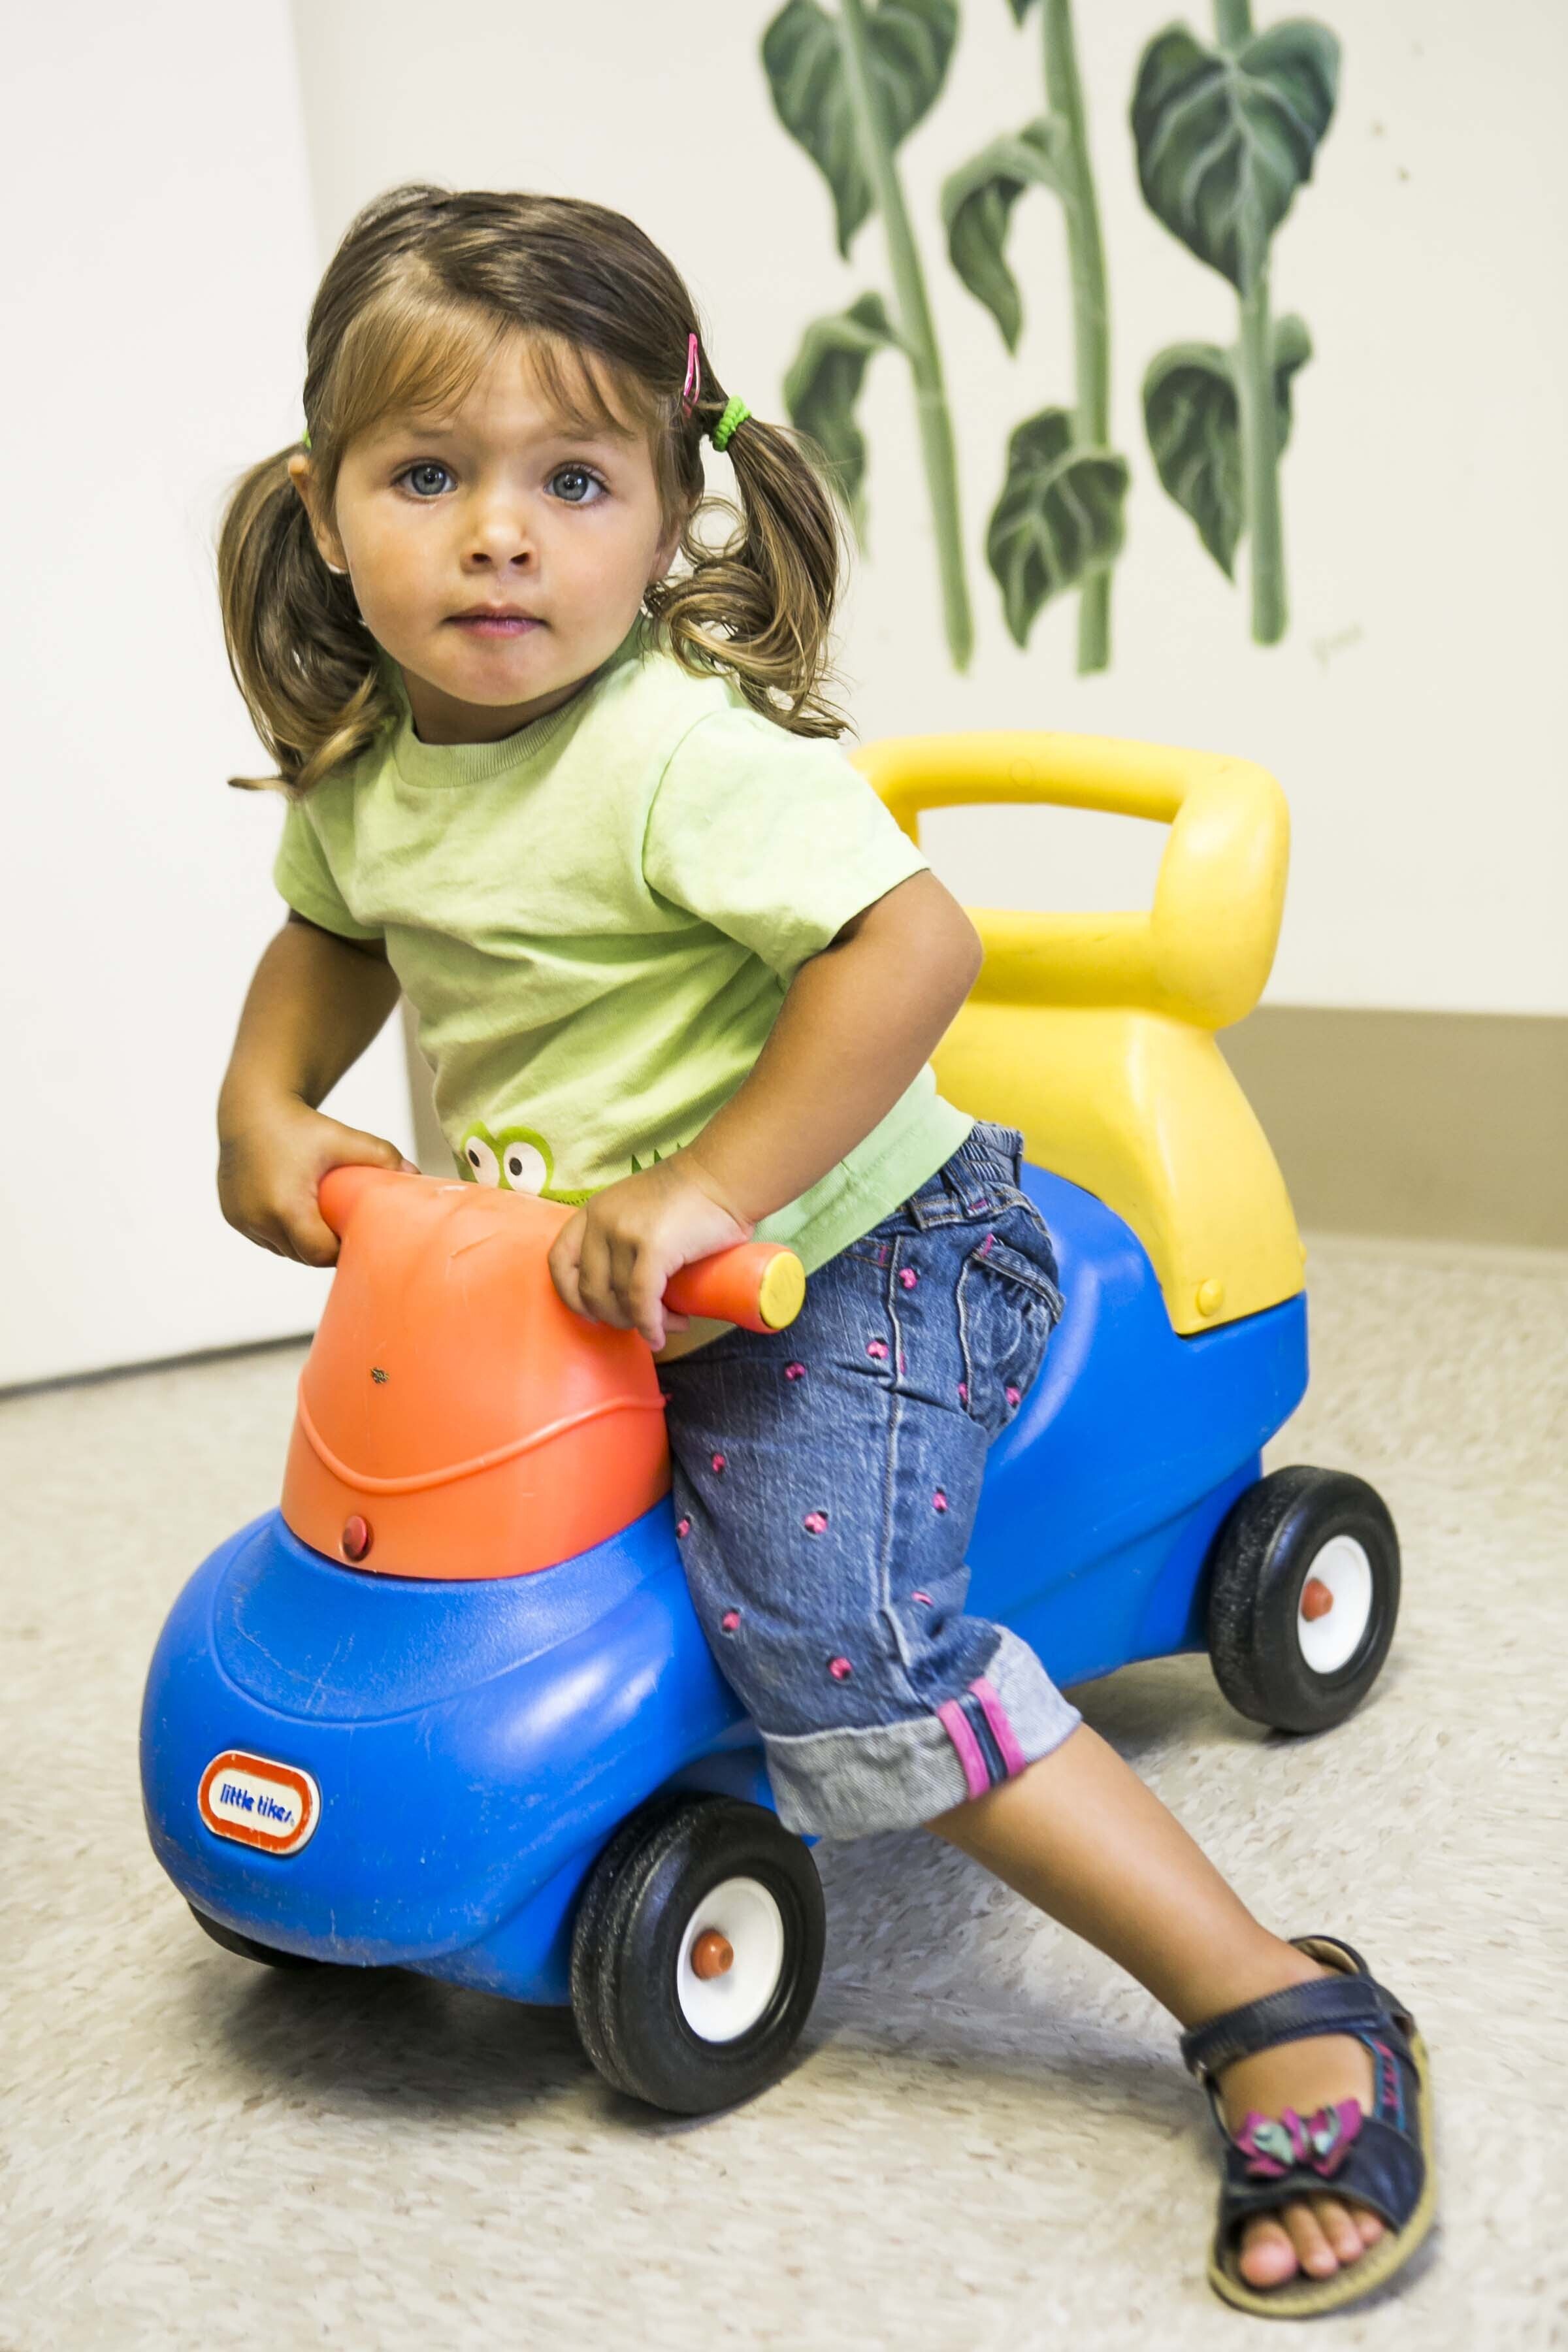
[[894, 1776]]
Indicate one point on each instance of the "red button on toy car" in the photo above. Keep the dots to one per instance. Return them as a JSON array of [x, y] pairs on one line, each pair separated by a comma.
[[356, 1537]]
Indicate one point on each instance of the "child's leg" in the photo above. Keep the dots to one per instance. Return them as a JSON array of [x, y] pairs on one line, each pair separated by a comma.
[[1079, 1835]]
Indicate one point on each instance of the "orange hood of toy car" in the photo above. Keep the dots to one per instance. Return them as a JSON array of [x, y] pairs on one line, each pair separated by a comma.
[[455, 1418]]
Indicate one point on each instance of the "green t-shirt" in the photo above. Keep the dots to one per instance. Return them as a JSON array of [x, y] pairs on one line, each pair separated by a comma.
[[595, 920]]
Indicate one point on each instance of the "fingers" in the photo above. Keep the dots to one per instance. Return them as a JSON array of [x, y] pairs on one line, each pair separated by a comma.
[[304, 1237], [610, 1279], [639, 1278], [565, 1261]]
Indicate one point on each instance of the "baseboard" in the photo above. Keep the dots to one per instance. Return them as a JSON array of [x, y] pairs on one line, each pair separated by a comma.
[[1427, 1126]]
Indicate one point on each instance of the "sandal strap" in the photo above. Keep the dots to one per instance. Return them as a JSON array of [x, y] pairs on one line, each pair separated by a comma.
[[1337, 2004], [1385, 2169]]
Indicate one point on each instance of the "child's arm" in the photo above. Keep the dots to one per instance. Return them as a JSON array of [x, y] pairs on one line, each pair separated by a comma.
[[314, 1004], [858, 1023]]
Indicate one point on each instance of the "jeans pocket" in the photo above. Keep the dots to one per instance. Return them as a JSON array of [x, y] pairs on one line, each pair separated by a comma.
[[1007, 1308]]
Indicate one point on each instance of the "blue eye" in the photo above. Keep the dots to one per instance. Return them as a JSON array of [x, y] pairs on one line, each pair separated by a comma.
[[426, 465], [580, 474]]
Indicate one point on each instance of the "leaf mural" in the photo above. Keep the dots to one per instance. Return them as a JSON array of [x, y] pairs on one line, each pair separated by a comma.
[[1191, 409], [1225, 137], [977, 202], [823, 384], [1225, 140], [1193, 417], [850, 88], [910, 45], [977, 207], [1059, 521]]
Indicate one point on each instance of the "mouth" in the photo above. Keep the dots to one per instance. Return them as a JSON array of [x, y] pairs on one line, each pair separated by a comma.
[[496, 621]]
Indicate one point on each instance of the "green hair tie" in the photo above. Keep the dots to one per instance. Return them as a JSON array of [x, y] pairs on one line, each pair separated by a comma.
[[733, 414], [305, 438]]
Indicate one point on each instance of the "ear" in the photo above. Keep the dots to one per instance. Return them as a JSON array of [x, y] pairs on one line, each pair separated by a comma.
[[664, 554], [329, 547]]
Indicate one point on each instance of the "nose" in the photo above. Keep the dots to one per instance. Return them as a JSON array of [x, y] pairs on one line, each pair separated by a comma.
[[499, 531]]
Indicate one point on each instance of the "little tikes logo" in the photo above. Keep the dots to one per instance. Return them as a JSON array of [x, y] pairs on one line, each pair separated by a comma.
[[258, 1802]]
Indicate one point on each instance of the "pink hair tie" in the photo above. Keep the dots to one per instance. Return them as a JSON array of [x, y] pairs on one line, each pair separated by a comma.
[[691, 390]]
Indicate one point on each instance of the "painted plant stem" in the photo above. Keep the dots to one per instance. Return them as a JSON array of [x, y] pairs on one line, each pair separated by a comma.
[[1091, 313], [916, 333], [1260, 424], [1261, 464]]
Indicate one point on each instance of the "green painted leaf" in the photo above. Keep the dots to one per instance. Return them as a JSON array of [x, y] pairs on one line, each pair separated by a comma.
[[1192, 412], [977, 201], [824, 383], [1224, 140], [911, 44], [1058, 519], [1193, 418]]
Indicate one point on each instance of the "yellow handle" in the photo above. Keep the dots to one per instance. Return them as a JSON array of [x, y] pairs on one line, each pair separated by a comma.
[[1203, 951]]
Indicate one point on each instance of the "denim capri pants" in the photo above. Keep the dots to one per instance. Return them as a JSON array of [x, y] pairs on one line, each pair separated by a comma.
[[826, 1479]]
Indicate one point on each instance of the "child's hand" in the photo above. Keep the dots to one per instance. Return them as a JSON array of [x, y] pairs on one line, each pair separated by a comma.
[[612, 1260], [270, 1164]]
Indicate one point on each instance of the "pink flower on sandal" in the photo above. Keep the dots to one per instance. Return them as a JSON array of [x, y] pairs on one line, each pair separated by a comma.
[[1275, 2145]]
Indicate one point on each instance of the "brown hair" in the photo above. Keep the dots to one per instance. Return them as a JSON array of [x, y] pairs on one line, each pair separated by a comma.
[[421, 293]]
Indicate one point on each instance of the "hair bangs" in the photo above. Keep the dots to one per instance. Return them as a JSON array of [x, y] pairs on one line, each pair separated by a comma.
[[412, 351]]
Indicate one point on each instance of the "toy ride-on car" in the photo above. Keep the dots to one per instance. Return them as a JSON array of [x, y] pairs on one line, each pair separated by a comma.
[[449, 1708]]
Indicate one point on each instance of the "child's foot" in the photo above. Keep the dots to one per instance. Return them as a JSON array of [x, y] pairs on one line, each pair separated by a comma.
[[1315, 2234]]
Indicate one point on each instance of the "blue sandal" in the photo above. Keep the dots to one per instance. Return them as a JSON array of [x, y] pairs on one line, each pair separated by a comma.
[[1383, 2159]]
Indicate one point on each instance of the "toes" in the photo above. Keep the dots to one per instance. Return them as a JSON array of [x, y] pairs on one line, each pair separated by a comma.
[[1370, 2226], [1267, 2257], [1338, 2226], [1316, 2256]]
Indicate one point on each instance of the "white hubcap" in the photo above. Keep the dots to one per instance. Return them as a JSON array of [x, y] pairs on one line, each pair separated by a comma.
[[718, 2008], [1329, 1639]]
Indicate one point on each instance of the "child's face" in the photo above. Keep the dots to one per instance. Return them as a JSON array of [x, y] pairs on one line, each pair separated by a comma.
[[497, 507]]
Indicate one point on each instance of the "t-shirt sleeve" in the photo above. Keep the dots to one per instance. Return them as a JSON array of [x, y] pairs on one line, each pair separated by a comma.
[[304, 878], [774, 839]]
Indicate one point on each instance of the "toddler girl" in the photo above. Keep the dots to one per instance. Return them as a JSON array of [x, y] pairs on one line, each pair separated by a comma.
[[674, 963]]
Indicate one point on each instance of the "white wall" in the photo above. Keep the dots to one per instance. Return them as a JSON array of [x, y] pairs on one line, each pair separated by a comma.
[[158, 281], [1411, 713]]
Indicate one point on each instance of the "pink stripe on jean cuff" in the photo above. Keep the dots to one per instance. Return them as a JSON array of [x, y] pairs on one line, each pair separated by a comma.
[[1002, 1731], [953, 1721]]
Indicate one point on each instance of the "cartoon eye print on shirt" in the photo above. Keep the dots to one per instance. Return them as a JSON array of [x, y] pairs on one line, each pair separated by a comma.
[[518, 1160]]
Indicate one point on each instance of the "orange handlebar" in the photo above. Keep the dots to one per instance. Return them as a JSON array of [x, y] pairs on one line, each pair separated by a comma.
[[761, 1286]]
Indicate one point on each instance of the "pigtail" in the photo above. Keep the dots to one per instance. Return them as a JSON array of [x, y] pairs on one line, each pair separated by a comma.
[[301, 658], [761, 607]]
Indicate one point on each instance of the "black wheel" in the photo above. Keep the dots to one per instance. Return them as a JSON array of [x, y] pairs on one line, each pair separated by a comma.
[[1303, 1593], [696, 1952], [248, 1949]]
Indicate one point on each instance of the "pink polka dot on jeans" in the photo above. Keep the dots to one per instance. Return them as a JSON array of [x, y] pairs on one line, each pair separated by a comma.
[[683, 1527], [1013, 1395], [718, 1462], [840, 1669], [908, 1278], [923, 1598], [795, 1371], [939, 1501], [963, 1392], [877, 1348], [730, 1620], [814, 1522]]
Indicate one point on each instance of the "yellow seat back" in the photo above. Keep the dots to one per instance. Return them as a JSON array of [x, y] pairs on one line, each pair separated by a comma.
[[1094, 1033]]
